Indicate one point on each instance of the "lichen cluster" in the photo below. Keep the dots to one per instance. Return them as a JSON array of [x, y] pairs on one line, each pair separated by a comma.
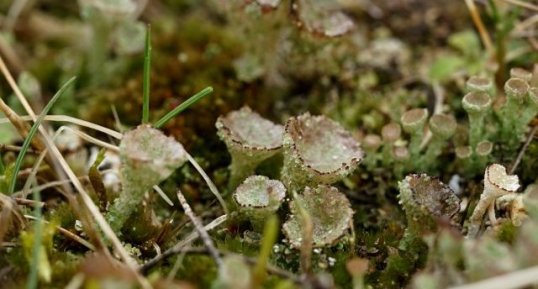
[[341, 144]]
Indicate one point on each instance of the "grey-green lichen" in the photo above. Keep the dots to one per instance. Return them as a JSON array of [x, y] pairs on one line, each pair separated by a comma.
[[147, 158], [250, 139], [317, 150], [329, 210], [258, 198]]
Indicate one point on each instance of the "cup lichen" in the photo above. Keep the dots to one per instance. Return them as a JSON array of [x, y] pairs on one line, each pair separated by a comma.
[[250, 139], [329, 210], [147, 157], [258, 198], [317, 150]]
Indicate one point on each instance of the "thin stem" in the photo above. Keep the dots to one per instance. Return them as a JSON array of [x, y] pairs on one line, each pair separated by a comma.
[[523, 149], [199, 228], [146, 82], [62, 230], [513, 280], [209, 183], [524, 4], [270, 234], [73, 120], [306, 245], [31, 134], [486, 40], [184, 105]]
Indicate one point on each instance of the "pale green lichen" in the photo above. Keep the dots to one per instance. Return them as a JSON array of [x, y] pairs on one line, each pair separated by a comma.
[[258, 198], [147, 157], [329, 210], [442, 127], [477, 105], [250, 139], [516, 101], [317, 150], [413, 122]]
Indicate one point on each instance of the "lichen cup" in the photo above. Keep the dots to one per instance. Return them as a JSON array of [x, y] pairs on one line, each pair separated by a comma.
[[329, 211], [259, 197], [317, 150], [147, 157], [426, 200], [250, 139]]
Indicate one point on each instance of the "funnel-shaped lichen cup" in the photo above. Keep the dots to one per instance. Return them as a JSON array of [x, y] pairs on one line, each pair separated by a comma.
[[147, 158], [259, 197], [426, 200], [250, 139], [317, 150], [329, 211]]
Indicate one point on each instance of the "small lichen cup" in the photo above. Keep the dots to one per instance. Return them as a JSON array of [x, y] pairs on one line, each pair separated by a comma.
[[250, 139], [317, 150], [259, 197], [147, 157], [413, 122], [329, 210], [426, 200], [477, 105]]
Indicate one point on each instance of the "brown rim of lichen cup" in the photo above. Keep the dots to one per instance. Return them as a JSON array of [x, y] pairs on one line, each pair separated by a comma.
[[250, 139], [319, 147]]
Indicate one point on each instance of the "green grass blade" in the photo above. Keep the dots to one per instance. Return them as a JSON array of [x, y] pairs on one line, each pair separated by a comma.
[[31, 134], [184, 105], [146, 81], [270, 234], [36, 246]]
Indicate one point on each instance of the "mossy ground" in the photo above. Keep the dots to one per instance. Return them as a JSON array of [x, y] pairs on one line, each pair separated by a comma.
[[398, 57]]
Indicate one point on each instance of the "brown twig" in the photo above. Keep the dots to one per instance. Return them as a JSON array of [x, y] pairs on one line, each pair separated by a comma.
[[199, 228], [480, 26], [67, 233], [513, 167], [12, 148]]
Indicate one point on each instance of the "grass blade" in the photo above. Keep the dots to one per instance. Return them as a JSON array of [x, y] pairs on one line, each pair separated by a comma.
[[32, 133], [270, 234], [184, 105], [146, 81]]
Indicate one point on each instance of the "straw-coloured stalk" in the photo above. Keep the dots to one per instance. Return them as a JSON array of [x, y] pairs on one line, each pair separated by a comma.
[[317, 150], [258, 198], [477, 106], [148, 157], [426, 200], [330, 213], [496, 184], [250, 139]]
